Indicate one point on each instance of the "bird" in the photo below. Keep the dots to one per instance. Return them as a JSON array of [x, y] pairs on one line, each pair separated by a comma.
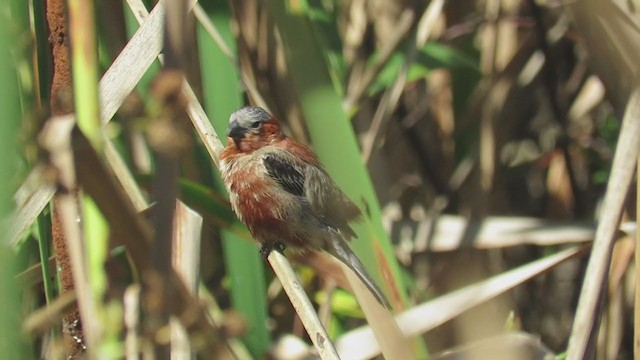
[[279, 189]]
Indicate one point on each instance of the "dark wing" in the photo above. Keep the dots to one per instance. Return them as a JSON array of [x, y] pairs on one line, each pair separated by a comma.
[[288, 175], [322, 194]]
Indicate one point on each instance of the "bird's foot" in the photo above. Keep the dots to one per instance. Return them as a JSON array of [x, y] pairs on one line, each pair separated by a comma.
[[267, 248]]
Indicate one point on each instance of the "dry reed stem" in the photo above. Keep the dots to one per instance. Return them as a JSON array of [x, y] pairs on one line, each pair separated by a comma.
[[451, 232], [303, 306], [622, 172], [186, 260], [128, 68], [131, 303], [57, 140]]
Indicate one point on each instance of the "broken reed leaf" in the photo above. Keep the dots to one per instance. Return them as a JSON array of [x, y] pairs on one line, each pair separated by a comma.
[[433, 313], [31, 198]]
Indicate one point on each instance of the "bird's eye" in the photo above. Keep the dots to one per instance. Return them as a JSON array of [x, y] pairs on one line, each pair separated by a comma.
[[255, 124]]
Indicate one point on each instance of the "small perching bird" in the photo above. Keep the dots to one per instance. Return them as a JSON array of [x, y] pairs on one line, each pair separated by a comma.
[[279, 189]]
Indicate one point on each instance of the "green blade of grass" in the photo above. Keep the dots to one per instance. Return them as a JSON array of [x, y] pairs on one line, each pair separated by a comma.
[[335, 143], [84, 52], [44, 238], [12, 342], [223, 95]]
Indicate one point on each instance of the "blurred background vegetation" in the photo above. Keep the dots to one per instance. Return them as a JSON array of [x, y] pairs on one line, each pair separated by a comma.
[[477, 136]]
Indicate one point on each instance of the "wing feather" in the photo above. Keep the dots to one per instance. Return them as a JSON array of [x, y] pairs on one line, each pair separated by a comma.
[[314, 185], [328, 201], [288, 176]]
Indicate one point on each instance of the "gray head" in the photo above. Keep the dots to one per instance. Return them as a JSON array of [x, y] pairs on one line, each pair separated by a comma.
[[246, 119]]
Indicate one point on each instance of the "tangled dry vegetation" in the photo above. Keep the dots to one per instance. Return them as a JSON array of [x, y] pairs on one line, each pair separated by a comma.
[[492, 145]]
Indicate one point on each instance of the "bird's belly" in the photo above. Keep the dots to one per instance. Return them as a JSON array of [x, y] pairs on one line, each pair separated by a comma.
[[256, 208], [268, 214]]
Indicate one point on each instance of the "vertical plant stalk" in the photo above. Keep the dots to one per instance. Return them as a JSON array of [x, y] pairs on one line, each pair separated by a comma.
[[168, 139], [84, 56], [131, 303], [84, 53], [186, 260], [55, 139], [61, 105], [158, 299], [622, 170], [487, 146], [44, 229]]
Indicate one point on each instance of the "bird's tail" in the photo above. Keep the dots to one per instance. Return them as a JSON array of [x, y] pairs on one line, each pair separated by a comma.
[[340, 249]]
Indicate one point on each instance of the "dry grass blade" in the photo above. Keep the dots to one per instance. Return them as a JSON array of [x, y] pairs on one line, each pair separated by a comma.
[[622, 172], [48, 317], [186, 244], [31, 198], [194, 109], [123, 75], [427, 316], [131, 304], [391, 340], [125, 177], [610, 339], [56, 139], [610, 31], [449, 232], [33, 274], [186, 260], [514, 345], [134, 60]]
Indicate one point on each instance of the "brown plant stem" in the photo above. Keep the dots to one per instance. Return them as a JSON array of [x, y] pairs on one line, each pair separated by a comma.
[[61, 105]]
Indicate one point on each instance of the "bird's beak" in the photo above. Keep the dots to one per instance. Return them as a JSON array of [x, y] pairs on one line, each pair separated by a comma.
[[235, 130]]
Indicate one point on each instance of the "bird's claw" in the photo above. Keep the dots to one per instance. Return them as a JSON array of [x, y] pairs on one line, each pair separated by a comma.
[[267, 248]]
